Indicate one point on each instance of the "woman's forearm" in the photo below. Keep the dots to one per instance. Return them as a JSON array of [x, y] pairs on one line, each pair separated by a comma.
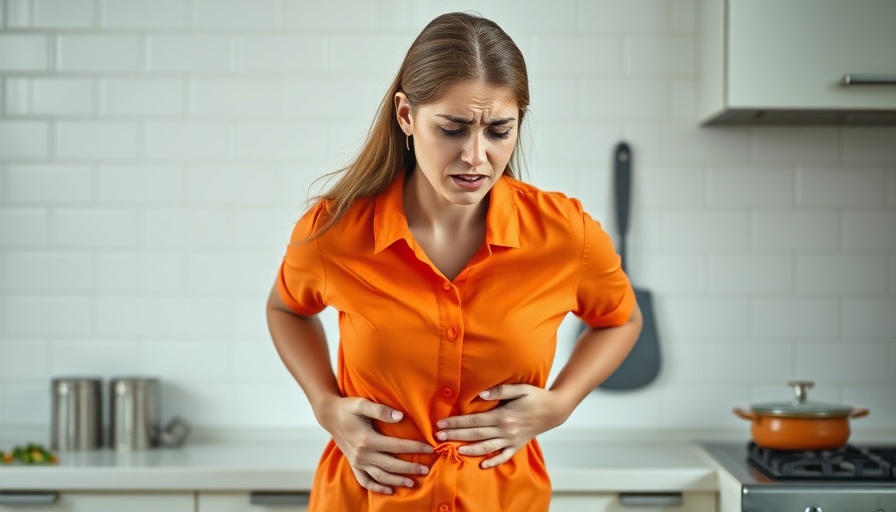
[[595, 357], [302, 345]]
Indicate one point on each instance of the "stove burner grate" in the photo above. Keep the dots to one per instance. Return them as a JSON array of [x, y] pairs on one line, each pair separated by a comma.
[[843, 464]]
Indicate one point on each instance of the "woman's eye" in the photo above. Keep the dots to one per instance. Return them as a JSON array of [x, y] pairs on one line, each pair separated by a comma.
[[452, 132]]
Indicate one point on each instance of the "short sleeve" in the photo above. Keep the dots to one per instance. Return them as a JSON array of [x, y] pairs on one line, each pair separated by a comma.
[[604, 295], [301, 281]]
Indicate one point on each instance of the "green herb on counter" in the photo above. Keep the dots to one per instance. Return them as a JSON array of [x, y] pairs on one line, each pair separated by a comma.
[[29, 454]]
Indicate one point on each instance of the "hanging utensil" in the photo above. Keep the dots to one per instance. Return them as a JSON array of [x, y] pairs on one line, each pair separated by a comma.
[[642, 365]]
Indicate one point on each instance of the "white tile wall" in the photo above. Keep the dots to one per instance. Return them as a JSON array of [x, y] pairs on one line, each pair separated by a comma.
[[766, 187], [49, 273], [797, 318], [144, 97], [97, 140], [57, 184], [236, 14], [132, 14], [53, 96], [155, 155], [188, 52], [96, 228], [29, 315], [805, 144], [279, 53], [102, 53], [24, 139], [63, 13], [843, 186], [24, 52], [337, 15]]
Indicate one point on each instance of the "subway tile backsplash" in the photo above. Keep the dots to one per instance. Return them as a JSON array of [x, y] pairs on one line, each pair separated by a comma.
[[155, 155]]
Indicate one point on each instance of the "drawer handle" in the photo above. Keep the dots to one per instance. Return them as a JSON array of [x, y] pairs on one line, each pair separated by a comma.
[[268, 499], [674, 499], [28, 497], [868, 79]]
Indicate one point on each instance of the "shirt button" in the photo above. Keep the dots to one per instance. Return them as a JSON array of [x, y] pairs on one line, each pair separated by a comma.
[[451, 333], [446, 285], [443, 508], [446, 392]]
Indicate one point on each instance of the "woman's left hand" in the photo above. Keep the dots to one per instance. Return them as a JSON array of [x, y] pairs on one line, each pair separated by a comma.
[[526, 412]]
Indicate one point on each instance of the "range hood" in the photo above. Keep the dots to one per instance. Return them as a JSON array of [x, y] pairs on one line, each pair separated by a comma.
[[804, 116], [797, 62]]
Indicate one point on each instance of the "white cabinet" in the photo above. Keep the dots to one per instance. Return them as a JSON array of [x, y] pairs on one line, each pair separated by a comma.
[[634, 502], [252, 501], [97, 502], [785, 60]]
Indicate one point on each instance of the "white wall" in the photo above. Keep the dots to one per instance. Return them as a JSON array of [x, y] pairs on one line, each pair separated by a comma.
[[153, 156]]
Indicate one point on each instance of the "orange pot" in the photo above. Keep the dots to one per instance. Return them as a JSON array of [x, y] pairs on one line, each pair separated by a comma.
[[800, 425]]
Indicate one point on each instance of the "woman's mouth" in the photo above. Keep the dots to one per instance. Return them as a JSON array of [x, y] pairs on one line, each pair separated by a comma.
[[468, 181]]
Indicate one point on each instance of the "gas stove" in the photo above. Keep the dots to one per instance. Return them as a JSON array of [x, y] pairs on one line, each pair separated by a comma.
[[846, 464], [849, 479]]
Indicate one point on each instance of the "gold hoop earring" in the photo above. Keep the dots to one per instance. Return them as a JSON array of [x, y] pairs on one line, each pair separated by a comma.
[[407, 142]]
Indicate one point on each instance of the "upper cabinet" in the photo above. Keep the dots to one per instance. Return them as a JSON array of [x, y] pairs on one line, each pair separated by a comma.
[[797, 62]]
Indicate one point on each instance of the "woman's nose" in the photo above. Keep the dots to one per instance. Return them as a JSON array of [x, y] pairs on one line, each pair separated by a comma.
[[474, 150]]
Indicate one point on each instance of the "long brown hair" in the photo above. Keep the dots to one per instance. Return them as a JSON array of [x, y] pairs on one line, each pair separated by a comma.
[[451, 48]]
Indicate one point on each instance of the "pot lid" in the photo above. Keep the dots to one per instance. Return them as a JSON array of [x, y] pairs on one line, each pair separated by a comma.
[[800, 407]]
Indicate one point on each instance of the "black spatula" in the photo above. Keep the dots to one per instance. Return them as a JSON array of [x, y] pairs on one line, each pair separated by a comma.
[[642, 365]]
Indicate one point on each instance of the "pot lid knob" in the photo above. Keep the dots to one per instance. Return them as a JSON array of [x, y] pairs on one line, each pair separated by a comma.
[[801, 388]]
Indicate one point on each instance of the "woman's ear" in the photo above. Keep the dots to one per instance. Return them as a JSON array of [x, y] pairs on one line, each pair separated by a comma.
[[403, 113]]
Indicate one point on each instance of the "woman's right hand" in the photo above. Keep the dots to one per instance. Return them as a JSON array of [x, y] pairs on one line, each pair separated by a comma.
[[371, 454]]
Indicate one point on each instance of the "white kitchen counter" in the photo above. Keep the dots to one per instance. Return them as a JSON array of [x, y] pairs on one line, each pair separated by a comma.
[[577, 461]]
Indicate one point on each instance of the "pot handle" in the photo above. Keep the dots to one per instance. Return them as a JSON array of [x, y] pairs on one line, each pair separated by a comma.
[[858, 413], [750, 416]]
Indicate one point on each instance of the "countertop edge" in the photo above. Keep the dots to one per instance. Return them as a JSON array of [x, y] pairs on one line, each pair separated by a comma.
[[203, 465]]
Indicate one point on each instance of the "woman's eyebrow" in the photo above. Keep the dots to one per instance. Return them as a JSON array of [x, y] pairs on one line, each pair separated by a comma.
[[461, 120]]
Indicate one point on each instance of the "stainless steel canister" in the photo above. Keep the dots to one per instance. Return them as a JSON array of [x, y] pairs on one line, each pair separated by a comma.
[[134, 413], [76, 413]]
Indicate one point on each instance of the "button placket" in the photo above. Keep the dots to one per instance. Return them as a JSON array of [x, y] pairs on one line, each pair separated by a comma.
[[451, 320]]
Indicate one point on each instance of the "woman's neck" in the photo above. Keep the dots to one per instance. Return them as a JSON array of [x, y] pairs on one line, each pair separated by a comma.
[[426, 209]]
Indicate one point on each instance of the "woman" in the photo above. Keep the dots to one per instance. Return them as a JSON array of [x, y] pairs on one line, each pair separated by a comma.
[[451, 278]]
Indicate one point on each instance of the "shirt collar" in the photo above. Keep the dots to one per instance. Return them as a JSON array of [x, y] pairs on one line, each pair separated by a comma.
[[502, 223], [390, 223]]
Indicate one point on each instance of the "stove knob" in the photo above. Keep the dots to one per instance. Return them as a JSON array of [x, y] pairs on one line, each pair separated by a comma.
[[813, 508]]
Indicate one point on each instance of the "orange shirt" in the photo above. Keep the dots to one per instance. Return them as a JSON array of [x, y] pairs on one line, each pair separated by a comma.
[[413, 340]]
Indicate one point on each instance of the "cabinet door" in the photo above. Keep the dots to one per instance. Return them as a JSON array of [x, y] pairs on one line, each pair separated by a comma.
[[581, 502], [633, 502], [252, 502], [794, 53], [98, 502]]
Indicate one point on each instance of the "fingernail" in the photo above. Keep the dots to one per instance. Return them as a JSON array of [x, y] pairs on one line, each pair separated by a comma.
[[424, 470], [409, 483], [442, 436], [442, 424], [397, 415], [427, 449], [485, 394]]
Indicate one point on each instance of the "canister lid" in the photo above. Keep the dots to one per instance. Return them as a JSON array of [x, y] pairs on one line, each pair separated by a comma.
[[128, 384], [64, 384]]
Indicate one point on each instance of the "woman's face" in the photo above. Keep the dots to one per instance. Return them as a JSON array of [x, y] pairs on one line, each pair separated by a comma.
[[464, 140]]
